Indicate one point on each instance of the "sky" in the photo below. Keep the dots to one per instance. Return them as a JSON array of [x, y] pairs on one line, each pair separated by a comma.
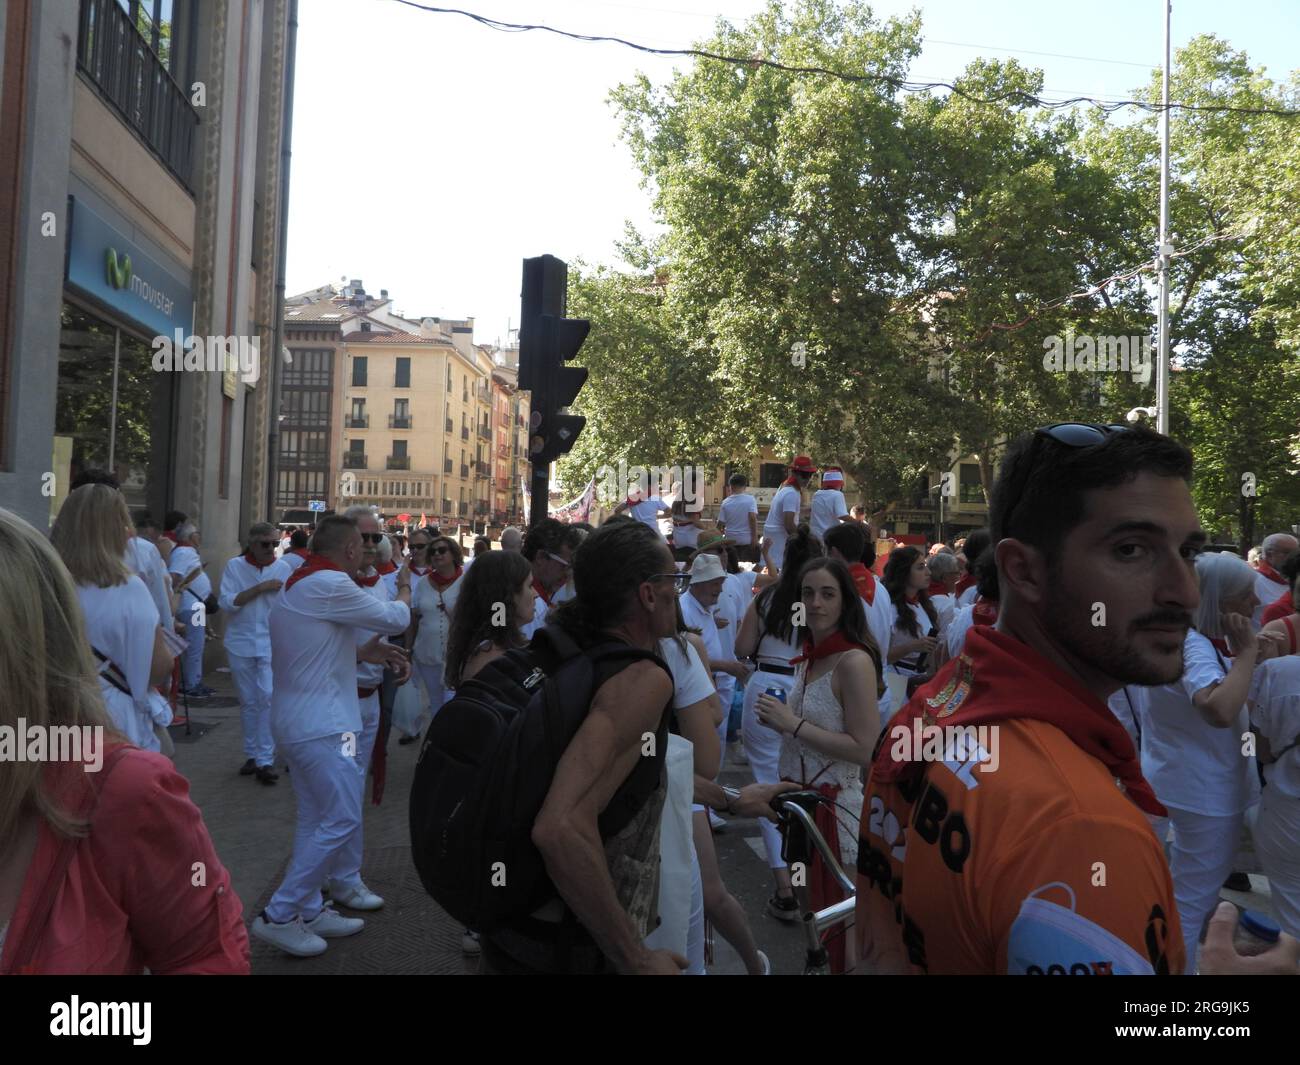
[[432, 154]]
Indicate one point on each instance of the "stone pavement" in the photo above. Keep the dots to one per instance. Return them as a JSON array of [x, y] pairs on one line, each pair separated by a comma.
[[252, 827]]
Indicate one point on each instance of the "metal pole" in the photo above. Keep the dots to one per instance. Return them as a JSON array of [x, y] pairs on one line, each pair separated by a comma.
[[1164, 250]]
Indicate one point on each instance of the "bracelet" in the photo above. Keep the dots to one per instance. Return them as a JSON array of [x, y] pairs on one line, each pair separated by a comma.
[[795, 734]]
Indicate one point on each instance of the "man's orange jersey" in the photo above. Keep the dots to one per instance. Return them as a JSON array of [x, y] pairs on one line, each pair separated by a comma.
[[1010, 849]]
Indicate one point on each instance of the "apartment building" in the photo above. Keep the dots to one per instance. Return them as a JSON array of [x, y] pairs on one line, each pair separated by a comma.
[[141, 196]]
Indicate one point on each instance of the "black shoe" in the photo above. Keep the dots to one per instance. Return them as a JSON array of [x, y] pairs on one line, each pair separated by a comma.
[[783, 908], [1238, 882], [248, 768], [266, 775]]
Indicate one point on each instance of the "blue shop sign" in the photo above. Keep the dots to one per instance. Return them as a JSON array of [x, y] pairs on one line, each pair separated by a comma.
[[106, 266]]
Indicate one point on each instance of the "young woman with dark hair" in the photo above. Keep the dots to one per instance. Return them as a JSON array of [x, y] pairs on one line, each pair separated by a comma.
[[830, 722], [915, 635], [767, 637], [494, 602]]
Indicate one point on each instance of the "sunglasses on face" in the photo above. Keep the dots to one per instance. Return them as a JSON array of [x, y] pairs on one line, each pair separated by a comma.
[[441, 549], [372, 538], [419, 547]]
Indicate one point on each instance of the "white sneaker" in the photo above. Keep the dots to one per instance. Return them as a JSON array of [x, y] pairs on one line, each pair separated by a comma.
[[292, 937], [359, 897], [331, 925]]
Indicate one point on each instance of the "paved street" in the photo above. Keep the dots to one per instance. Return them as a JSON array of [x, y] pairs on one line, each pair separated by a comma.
[[252, 827]]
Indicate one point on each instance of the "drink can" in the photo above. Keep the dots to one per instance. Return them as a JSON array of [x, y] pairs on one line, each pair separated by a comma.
[[775, 692]]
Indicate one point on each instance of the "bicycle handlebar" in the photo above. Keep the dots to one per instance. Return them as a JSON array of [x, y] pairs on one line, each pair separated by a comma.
[[794, 805]]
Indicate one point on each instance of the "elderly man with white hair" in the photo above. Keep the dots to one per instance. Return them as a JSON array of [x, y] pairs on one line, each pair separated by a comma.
[[194, 587], [1270, 585], [512, 539], [944, 572]]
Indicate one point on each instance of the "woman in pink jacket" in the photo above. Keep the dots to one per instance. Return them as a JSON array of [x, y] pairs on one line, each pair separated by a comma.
[[105, 864]]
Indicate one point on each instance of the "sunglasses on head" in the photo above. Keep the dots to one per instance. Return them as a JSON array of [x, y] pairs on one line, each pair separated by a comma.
[[1071, 434], [372, 538]]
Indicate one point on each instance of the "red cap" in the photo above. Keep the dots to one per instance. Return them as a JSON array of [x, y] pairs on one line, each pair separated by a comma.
[[803, 464]]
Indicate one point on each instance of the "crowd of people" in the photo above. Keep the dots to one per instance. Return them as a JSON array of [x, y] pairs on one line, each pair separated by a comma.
[[1143, 694]]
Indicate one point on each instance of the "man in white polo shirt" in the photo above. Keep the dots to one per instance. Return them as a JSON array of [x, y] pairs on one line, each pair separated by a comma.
[[646, 511], [828, 507], [248, 586], [316, 720], [1270, 585], [738, 518], [783, 514]]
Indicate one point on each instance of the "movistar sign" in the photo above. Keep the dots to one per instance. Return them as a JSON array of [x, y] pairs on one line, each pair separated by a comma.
[[106, 265]]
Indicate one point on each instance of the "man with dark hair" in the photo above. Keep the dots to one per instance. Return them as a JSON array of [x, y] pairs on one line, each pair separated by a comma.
[[548, 546], [296, 555], [1028, 848], [738, 518]]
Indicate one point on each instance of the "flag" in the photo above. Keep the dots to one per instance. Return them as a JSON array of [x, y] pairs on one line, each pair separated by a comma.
[[580, 508], [528, 498]]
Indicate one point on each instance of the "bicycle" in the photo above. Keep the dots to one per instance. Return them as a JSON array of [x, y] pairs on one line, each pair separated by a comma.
[[799, 834]]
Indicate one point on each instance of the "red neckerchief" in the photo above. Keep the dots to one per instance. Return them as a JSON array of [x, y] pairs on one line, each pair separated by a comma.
[[172, 537], [385, 568], [314, 564], [865, 581], [1265, 570], [963, 582], [301, 552], [368, 582], [1005, 680], [248, 557], [985, 612], [1221, 645], [633, 502], [792, 481], [1281, 607], [832, 645], [440, 582], [937, 588], [542, 592]]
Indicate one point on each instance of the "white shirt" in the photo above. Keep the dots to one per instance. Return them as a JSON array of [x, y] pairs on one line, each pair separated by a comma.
[[1124, 705], [183, 561], [734, 515], [691, 681], [945, 606], [247, 634], [434, 606], [955, 632], [369, 674], [314, 654], [1275, 711], [772, 648], [686, 536], [880, 623], [827, 506], [122, 624], [1190, 764], [907, 666], [1268, 591], [786, 501], [647, 511], [292, 561], [968, 597], [697, 617], [143, 559]]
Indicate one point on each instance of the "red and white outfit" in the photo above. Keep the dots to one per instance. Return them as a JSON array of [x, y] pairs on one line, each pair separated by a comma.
[[294, 557], [788, 500], [433, 599], [316, 718], [827, 505], [1269, 585], [248, 649], [880, 614]]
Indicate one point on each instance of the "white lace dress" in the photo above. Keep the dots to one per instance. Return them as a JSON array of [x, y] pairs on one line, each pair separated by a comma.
[[817, 703]]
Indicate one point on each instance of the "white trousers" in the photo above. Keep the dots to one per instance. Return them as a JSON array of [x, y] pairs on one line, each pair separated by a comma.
[[660, 938], [347, 862], [1277, 842], [1200, 859], [192, 656], [763, 749], [328, 789], [431, 674], [252, 677]]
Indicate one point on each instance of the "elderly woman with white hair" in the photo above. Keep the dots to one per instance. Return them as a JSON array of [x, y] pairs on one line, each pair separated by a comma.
[[1191, 739], [192, 611]]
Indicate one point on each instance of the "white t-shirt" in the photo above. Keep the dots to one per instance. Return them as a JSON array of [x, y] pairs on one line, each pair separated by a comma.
[[786, 501], [1191, 764], [907, 666], [686, 536], [314, 653], [122, 623], [1275, 710], [827, 506], [697, 617], [954, 633], [292, 561], [143, 559], [968, 597], [880, 623], [734, 515], [434, 606], [647, 511], [183, 561], [247, 633], [945, 606], [1268, 591], [691, 681]]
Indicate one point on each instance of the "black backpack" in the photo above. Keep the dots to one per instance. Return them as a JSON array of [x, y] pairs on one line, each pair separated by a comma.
[[486, 766]]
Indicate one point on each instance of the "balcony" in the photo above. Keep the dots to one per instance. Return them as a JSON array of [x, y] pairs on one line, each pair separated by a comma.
[[464, 432], [118, 61], [484, 470], [447, 465], [464, 470], [355, 460], [399, 421], [485, 431], [356, 421], [399, 462]]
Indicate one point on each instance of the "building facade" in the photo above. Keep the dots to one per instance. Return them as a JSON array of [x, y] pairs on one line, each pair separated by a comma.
[[141, 148]]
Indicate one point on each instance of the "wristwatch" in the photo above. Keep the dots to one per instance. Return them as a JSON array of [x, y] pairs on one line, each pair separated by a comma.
[[732, 795]]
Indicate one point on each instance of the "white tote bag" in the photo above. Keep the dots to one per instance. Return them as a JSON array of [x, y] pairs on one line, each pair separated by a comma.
[[676, 850]]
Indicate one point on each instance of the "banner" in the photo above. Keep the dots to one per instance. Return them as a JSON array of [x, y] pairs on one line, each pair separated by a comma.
[[580, 508]]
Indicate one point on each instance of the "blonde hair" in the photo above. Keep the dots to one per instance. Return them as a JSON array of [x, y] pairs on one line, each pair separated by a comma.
[[47, 673], [91, 535]]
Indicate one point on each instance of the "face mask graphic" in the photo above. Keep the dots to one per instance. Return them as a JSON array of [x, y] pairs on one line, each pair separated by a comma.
[[1050, 939]]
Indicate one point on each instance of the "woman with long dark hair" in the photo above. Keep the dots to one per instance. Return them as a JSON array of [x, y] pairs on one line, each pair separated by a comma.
[[494, 603], [767, 636], [830, 722], [916, 630]]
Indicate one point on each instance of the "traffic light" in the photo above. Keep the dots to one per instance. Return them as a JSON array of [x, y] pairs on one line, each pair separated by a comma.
[[547, 340]]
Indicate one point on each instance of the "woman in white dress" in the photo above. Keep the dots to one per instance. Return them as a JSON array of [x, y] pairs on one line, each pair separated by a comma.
[[91, 535], [1275, 720], [830, 723], [432, 601]]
